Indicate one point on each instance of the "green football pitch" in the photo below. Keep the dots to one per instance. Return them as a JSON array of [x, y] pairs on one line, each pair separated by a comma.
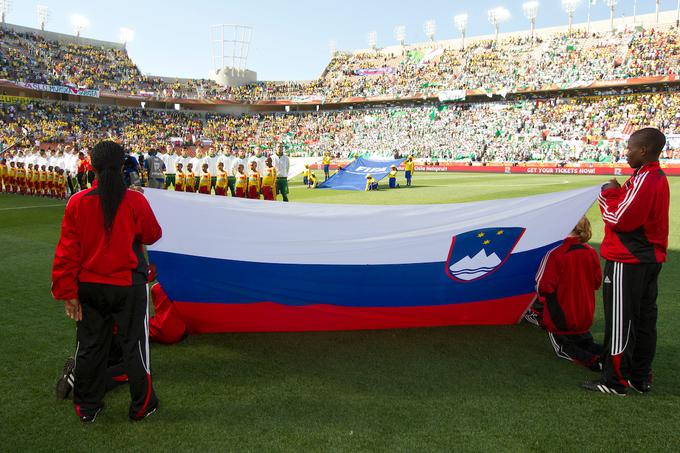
[[456, 388]]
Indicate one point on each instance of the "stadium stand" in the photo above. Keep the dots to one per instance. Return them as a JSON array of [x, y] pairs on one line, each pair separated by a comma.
[[561, 60], [590, 129], [560, 98]]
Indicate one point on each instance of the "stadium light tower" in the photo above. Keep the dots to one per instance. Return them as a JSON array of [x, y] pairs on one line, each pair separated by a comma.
[[590, 5], [43, 15], [461, 21], [531, 12], [612, 10], [126, 36], [79, 23], [400, 34], [569, 7], [230, 48], [5, 8], [333, 47], [373, 40], [658, 5], [496, 17], [430, 28]]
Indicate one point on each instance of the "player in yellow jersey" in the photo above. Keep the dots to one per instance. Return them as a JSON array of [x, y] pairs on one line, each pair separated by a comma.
[[241, 181], [29, 179], [269, 181], [326, 165], [35, 180], [4, 176], [21, 178], [205, 181], [190, 177], [43, 180], [221, 182], [180, 178], [12, 177], [60, 183], [50, 182], [254, 182], [409, 167]]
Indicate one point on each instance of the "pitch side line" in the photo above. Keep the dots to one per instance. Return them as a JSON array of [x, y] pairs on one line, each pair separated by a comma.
[[32, 207], [562, 183]]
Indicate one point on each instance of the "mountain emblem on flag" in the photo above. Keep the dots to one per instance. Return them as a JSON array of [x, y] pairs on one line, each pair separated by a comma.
[[476, 254]]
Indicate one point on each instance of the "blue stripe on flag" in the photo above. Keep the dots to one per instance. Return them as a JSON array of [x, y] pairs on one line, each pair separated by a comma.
[[197, 279]]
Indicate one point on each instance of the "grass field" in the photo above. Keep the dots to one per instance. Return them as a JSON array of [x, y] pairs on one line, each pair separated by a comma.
[[459, 388]]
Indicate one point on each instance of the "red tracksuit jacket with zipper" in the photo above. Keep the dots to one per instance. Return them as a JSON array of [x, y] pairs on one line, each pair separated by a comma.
[[85, 254], [636, 218], [567, 280]]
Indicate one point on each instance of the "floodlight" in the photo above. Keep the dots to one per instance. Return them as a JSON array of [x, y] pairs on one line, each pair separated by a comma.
[[569, 7], [126, 35], [79, 23], [430, 28], [497, 16], [461, 21], [400, 34], [5, 8], [43, 15], [333, 46], [373, 39], [531, 12], [612, 10]]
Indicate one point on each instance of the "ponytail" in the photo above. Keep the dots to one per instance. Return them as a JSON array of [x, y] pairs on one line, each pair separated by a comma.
[[108, 159]]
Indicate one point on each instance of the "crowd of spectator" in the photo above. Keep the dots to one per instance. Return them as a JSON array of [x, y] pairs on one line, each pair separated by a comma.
[[580, 129], [513, 63]]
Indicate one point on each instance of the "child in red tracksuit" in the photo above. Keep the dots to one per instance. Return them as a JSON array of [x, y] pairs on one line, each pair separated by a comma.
[[166, 325], [566, 281]]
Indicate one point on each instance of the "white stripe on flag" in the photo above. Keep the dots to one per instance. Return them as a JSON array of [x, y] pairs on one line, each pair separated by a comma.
[[301, 233]]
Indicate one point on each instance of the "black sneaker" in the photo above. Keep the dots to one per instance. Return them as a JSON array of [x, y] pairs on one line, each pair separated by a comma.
[[641, 386], [148, 412], [65, 382], [531, 317], [90, 418], [599, 386]]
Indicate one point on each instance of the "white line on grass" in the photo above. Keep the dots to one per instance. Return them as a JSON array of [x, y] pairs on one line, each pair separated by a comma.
[[513, 185], [32, 207]]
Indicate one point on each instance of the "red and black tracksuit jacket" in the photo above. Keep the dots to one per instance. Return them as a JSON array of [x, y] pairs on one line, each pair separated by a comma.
[[635, 244], [84, 254], [566, 281], [108, 274], [636, 218]]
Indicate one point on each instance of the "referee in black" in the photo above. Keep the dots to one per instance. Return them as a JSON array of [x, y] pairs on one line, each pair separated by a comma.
[[100, 274]]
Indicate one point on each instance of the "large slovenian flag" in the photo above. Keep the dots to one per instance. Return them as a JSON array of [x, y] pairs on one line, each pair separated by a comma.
[[238, 265]]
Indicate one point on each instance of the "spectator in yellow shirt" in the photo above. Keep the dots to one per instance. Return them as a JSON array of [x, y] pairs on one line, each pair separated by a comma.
[[409, 166]]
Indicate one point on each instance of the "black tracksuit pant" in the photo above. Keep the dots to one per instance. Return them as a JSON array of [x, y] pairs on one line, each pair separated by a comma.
[[630, 311], [580, 348], [128, 307]]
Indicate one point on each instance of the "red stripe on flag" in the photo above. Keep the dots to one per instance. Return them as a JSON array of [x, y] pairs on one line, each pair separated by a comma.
[[273, 317]]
